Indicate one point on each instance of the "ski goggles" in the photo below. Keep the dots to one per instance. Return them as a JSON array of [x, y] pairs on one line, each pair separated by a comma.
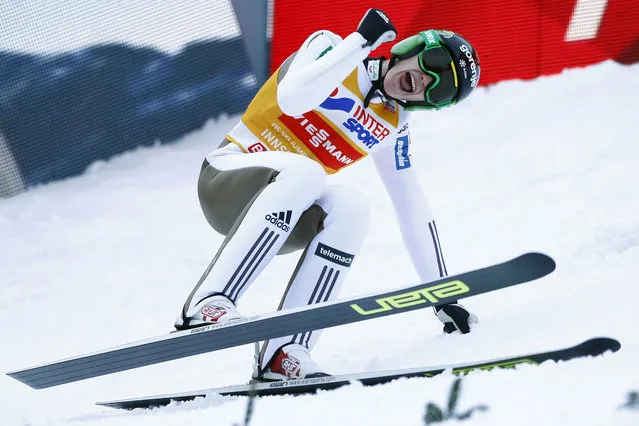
[[435, 61]]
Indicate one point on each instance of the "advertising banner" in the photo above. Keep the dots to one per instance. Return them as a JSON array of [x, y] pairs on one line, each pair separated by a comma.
[[516, 39]]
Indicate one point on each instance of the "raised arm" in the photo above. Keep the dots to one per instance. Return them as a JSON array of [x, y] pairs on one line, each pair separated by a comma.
[[324, 60]]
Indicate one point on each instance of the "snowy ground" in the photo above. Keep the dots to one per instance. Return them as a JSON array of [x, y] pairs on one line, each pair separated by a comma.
[[548, 165]]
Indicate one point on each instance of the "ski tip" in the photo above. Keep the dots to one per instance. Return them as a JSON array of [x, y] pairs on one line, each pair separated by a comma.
[[106, 404], [133, 404], [540, 259], [599, 345], [150, 402]]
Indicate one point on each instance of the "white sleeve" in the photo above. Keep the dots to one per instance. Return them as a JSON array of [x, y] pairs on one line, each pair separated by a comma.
[[416, 222], [321, 63]]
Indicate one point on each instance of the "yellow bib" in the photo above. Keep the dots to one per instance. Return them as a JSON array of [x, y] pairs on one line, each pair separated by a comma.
[[336, 134]]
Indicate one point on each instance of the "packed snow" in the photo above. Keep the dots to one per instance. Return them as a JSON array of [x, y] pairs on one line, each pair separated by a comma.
[[546, 165]]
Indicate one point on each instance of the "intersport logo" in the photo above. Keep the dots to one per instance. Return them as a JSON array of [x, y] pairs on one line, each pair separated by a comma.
[[365, 127]]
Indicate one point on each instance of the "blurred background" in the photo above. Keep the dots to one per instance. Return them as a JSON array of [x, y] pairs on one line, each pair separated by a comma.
[[81, 81]]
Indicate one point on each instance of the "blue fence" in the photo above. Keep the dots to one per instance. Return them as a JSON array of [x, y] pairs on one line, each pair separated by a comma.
[[60, 113]]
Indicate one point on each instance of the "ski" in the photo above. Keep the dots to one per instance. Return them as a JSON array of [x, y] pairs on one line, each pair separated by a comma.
[[527, 267], [590, 347]]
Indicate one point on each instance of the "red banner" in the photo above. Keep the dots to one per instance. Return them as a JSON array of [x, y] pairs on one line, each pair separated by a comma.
[[515, 38]]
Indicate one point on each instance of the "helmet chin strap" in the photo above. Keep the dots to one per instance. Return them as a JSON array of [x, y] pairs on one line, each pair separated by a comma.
[[378, 79]]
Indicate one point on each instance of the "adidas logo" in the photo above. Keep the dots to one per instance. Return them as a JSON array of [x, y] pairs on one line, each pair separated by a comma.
[[282, 220]]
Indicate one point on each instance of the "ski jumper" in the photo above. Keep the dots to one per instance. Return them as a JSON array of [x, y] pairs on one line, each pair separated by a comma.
[[266, 187]]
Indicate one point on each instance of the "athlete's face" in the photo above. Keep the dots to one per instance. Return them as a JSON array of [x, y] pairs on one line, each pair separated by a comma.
[[406, 80]]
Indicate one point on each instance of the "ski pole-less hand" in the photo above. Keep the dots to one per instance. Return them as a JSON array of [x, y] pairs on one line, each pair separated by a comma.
[[376, 28]]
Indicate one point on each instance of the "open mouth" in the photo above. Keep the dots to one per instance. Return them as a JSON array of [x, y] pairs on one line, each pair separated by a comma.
[[407, 82]]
